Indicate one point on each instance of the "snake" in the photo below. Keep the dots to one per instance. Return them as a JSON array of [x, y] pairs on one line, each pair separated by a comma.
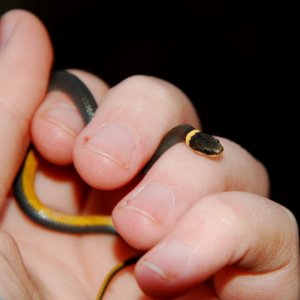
[[24, 187]]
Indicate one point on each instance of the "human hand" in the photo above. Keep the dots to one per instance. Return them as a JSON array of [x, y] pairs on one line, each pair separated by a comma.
[[238, 233], [37, 263]]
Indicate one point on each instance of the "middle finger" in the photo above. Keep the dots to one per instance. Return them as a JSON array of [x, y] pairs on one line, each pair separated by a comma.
[[176, 182]]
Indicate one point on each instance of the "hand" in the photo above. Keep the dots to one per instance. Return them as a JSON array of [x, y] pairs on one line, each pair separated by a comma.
[[196, 218], [36, 263]]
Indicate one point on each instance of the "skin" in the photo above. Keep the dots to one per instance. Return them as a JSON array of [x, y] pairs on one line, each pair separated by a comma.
[[194, 218]]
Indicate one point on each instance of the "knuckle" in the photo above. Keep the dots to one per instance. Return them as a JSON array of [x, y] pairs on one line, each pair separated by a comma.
[[154, 90], [225, 209]]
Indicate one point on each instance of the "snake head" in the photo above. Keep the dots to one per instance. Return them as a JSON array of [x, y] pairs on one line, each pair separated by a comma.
[[205, 144]]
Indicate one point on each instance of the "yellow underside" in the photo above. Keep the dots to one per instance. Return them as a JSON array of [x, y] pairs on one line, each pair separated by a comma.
[[28, 177]]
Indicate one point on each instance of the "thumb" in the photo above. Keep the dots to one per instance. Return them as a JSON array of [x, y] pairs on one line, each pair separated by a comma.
[[247, 243], [25, 60]]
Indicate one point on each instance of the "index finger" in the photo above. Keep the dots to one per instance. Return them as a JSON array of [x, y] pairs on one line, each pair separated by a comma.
[[126, 129]]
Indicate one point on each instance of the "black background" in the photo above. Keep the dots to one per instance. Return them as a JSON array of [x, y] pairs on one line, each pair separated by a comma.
[[232, 58]]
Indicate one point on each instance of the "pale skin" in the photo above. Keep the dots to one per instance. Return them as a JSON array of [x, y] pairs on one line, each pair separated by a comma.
[[206, 227]]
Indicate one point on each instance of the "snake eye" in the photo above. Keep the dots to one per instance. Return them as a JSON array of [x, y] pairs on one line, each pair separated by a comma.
[[208, 151]]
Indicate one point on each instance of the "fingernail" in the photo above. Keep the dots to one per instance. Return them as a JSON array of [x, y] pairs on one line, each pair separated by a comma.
[[168, 260], [154, 201], [7, 24], [114, 141], [65, 117]]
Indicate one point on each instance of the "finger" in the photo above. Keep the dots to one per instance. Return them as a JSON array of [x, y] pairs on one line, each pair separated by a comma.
[[176, 182], [57, 121], [248, 242], [25, 60], [126, 129], [15, 282]]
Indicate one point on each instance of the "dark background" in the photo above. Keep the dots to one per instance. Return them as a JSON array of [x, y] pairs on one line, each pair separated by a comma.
[[232, 58]]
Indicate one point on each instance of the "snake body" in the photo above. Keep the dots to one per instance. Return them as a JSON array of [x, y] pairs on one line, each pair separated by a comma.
[[83, 99]]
